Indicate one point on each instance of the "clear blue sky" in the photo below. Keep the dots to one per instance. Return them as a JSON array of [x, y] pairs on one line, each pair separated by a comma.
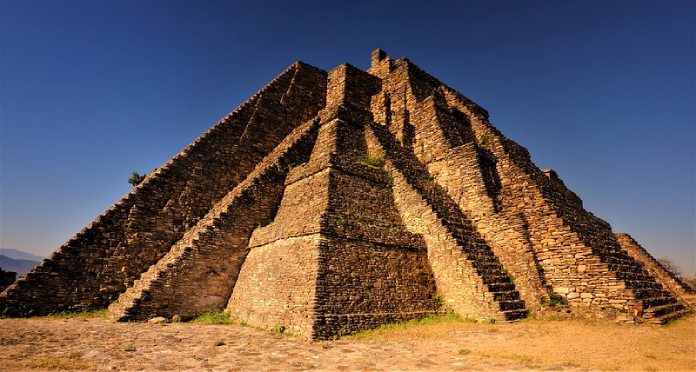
[[601, 91]]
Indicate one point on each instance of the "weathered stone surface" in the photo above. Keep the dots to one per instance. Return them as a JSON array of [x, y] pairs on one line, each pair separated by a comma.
[[334, 202]]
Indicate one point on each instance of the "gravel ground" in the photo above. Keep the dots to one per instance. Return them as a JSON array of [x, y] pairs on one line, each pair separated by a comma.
[[96, 343]]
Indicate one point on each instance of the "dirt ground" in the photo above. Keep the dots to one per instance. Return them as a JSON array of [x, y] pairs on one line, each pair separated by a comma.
[[96, 343]]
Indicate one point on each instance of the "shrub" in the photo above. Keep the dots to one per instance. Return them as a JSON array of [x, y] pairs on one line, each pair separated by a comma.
[[557, 299], [136, 178]]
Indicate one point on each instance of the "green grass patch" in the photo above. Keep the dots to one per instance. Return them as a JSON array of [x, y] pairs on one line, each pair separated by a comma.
[[213, 317], [101, 313], [370, 161], [410, 324]]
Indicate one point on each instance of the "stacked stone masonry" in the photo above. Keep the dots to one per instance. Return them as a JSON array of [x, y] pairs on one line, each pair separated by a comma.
[[334, 202]]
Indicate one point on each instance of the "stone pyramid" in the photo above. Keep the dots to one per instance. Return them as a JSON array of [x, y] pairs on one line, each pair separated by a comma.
[[333, 202]]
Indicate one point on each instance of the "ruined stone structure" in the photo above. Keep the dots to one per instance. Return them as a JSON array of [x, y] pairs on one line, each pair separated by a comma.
[[334, 202], [6, 278]]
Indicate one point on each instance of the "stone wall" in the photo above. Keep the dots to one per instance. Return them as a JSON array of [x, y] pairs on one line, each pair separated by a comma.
[[139, 229], [348, 237]]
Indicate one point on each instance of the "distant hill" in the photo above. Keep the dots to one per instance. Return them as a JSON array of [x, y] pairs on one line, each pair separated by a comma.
[[19, 266], [19, 255]]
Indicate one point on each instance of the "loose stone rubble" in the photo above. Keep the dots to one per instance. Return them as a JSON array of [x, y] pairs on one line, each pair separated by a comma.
[[334, 202]]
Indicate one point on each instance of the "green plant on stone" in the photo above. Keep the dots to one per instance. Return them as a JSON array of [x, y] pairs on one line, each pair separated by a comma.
[[557, 299], [464, 352], [290, 166], [370, 161], [482, 139], [439, 300], [136, 178], [344, 331], [389, 175]]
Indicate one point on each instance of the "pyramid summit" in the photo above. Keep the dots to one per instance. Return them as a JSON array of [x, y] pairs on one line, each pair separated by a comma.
[[331, 202]]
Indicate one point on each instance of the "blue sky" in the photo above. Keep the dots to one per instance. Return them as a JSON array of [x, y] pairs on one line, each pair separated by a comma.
[[602, 91]]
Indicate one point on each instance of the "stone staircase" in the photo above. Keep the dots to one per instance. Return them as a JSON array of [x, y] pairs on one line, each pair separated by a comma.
[[154, 290], [658, 305], [482, 259]]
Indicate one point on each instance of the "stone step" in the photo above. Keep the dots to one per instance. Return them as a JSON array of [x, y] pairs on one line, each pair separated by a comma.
[[641, 295], [511, 315], [480, 257], [493, 273], [664, 319], [621, 261], [625, 275], [484, 262], [490, 279], [489, 266], [508, 305], [658, 311], [624, 268], [643, 284], [650, 302], [504, 296], [501, 287]]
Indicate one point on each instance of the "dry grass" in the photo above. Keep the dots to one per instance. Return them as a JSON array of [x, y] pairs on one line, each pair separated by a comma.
[[71, 362], [435, 343], [542, 344]]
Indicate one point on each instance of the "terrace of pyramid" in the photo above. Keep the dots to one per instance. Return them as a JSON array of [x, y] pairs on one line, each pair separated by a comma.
[[330, 203]]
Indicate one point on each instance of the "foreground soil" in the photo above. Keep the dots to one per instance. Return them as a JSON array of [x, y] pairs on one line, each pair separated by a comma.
[[96, 343]]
